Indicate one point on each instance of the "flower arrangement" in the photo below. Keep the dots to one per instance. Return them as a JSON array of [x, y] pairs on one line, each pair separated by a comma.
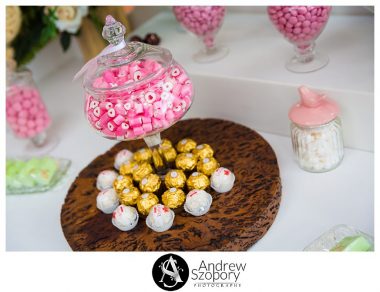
[[30, 28]]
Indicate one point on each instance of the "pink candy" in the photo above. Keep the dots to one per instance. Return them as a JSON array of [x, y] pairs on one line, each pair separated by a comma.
[[299, 24], [131, 113], [203, 21], [25, 111]]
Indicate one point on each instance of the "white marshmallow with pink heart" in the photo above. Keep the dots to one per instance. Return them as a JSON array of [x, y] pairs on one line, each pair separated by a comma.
[[126, 113], [222, 180]]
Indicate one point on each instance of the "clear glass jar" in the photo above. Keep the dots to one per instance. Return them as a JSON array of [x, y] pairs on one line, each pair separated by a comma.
[[26, 112], [136, 91], [318, 148]]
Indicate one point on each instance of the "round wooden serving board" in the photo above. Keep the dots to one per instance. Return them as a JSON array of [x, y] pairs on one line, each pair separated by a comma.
[[236, 220]]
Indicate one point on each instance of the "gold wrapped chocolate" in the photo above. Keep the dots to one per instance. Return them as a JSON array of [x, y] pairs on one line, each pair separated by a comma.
[[126, 168], [169, 154], [173, 198], [203, 151], [186, 161], [157, 159], [166, 143], [122, 182], [186, 145], [197, 181], [207, 165], [143, 155], [145, 202], [129, 196], [175, 178], [141, 170], [150, 184]]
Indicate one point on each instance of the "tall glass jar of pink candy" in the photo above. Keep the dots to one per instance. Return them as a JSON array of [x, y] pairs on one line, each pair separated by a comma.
[[301, 26], [204, 22], [26, 112], [135, 90]]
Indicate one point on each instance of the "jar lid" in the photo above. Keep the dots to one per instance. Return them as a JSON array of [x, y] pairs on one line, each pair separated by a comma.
[[313, 109]]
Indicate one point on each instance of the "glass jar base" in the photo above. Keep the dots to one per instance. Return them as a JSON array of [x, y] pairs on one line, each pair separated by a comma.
[[319, 61], [211, 55], [44, 148]]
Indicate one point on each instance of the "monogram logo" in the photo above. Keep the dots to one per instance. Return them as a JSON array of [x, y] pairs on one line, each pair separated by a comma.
[[170, 272]]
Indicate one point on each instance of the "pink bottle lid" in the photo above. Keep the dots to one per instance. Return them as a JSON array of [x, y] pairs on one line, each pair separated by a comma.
[[314, 109]]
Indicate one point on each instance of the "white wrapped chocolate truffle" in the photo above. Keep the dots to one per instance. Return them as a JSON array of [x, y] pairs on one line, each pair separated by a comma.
[[160, 218], [105, 179], [121, 157], [125, 217], [222, 180], [198, 202], [107, 201]]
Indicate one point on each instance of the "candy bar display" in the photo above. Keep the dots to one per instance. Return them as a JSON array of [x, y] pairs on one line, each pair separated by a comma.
[[26, 112], [35, 174], [204, 22], [139, 185], [301, 25], [316, 132]]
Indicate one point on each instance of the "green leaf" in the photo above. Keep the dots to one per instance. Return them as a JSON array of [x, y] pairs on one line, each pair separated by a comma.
[[65, 40]]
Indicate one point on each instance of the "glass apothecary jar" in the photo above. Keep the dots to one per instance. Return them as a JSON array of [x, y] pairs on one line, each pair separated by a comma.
[[26, 112], [316, 132], [134, 90]]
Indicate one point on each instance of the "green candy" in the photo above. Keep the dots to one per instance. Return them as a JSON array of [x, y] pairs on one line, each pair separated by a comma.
[[353, 243]]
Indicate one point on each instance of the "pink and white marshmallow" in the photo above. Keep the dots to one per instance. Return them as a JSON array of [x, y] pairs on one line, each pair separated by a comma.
[[125, 218], [105, 179], [123, 156], [160, 218], [107, 201], [222, 180], [198, 202]]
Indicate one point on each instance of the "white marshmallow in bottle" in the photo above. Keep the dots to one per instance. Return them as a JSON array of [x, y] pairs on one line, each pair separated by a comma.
[[160, 218], [123, 156], [125, 218], [105, 179], [198, 202], [107, 201], [222, 180]]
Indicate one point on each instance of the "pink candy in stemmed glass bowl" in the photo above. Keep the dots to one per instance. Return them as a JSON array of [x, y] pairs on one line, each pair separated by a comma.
[[301, 25], [204, 22], [135, 90]]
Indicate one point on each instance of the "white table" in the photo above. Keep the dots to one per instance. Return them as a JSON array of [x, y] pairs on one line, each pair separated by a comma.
[[311, 203]]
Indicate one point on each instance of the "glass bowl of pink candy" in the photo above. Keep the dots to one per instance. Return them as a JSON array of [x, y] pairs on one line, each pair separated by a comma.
[[301, 25], [204, 22], [26, 112], [135, 92]]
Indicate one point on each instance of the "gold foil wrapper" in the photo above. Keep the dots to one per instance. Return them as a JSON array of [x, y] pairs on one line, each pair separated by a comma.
[[129, 196], [203, 151], [157, 159], [169, 154], [166, 143], [186, 145], [173, 198], [186, 161], [197, 181], [126, 168], [143, 155], [150, 184], [175, 178], [141, 170], [145, 202], [207, 165], [122, 182]]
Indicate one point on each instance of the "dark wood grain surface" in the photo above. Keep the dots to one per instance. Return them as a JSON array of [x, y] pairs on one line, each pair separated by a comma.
[[236, 220]]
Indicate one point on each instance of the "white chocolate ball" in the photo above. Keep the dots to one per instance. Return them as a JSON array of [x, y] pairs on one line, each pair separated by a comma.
[[107, 201], [222, 180], [198, 202], [160, 218], [125, 217], [122, 157], [105, 179]]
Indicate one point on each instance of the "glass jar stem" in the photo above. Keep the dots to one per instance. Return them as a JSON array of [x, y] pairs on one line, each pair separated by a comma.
[[305, 53], [39, 140], [153, 142]]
